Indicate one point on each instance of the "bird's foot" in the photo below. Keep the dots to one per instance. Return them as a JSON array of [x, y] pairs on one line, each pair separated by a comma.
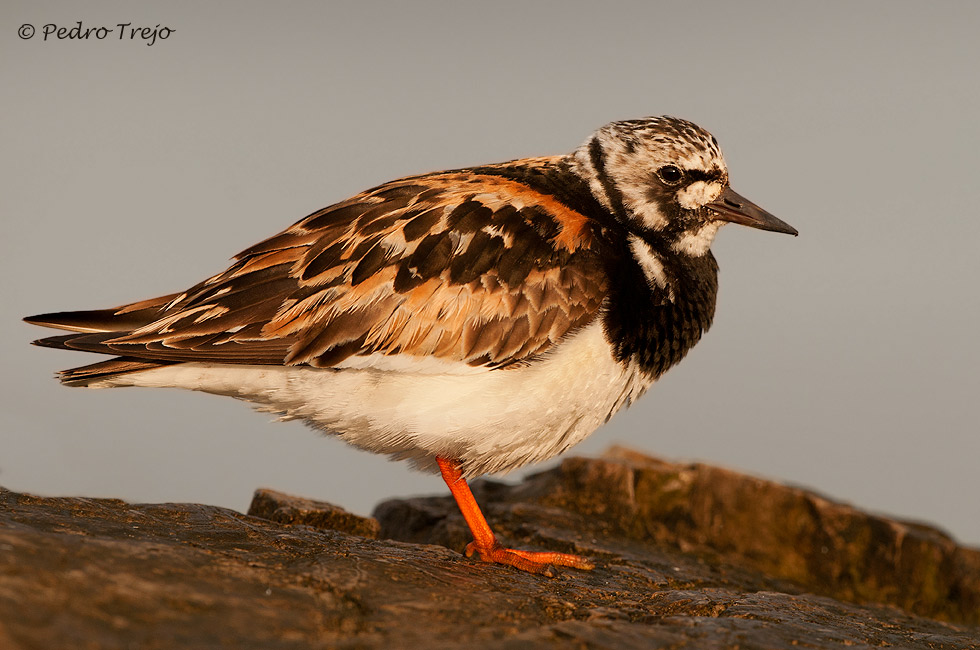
[[542, 563]]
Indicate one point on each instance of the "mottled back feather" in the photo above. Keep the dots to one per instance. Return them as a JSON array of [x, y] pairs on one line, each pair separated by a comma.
[[464, 267]]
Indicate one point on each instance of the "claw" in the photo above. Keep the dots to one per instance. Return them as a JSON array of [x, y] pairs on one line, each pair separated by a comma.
[[485, 544], [542, 563]]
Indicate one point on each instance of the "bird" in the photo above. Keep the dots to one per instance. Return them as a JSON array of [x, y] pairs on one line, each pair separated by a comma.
[[470, 321]]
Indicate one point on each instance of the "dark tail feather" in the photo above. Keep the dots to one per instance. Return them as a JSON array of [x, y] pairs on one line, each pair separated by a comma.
[[117, 319], [86, 375], [96, 320], [80, 341], [92, 328], [56, 342]]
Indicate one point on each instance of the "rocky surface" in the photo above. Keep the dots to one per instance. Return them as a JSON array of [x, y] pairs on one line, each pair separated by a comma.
[[688, 556]]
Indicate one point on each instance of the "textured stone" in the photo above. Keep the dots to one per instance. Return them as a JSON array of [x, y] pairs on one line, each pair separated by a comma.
[[297, 511], [786, 532], [102, 573]]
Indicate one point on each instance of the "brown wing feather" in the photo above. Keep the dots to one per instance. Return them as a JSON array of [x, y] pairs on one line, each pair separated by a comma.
[[464, 267]]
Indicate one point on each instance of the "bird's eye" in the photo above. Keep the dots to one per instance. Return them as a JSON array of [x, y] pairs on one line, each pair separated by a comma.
[[670, 174]]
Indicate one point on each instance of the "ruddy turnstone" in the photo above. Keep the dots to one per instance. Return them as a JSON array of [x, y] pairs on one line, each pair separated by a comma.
[[473, 320]]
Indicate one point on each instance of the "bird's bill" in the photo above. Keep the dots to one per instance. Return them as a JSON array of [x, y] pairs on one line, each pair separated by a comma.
[[732, 206]]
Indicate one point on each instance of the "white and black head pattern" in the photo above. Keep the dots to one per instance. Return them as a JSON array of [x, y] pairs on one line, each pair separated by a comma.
[[656, 175]]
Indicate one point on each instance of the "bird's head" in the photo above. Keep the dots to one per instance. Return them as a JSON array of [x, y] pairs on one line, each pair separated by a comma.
[[667, 177]]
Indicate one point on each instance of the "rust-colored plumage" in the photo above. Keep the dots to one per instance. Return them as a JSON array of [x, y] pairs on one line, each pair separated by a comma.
[[459, 266]]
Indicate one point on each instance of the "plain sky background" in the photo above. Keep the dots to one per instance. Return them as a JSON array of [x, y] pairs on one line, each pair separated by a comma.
[[845, 360]]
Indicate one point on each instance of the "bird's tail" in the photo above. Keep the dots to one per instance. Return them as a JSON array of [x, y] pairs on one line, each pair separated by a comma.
[[101, 374], [88, 326]]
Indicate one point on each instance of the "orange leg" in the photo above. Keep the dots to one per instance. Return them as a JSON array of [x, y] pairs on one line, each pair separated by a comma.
[[484, 542]]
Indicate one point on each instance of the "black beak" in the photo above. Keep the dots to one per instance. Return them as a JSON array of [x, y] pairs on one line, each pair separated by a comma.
[[732, 206]]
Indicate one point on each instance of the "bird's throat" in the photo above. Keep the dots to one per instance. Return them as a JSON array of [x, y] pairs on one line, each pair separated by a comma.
[[661, 307]]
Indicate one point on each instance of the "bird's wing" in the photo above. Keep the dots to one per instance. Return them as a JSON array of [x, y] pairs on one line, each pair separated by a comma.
[[464, 267]]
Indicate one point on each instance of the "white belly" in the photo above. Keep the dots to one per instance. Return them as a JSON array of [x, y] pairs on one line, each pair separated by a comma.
[[491, 420]]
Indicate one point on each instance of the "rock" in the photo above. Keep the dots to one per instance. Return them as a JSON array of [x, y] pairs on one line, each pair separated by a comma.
[[823, 546], [288, 509], [687, 556]]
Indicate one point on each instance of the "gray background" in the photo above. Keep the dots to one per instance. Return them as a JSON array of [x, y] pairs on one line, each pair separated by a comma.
[[845, 360]]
